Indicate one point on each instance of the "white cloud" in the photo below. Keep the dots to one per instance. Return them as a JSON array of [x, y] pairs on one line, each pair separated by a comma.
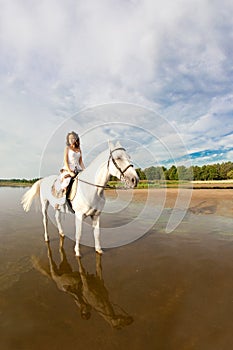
[[58, 57], [229, 156]]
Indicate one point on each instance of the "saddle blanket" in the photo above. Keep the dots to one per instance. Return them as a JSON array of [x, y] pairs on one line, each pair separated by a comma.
[[60, 196]]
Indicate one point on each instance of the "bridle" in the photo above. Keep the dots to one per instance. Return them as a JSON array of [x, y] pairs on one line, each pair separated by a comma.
[[122, 172], [115, 163]]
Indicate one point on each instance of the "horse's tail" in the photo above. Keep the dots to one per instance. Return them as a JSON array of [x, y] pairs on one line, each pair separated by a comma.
[[38, 266], [28, 197]]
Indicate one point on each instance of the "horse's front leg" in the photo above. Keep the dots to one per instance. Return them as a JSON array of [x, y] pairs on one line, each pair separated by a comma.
[[45, 205], [98, 266], [52, 265], [58, 220], [78, 232], [96, 227]]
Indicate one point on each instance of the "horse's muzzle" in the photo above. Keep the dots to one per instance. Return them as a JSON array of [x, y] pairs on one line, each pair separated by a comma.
[[134, 181], [131, 181]]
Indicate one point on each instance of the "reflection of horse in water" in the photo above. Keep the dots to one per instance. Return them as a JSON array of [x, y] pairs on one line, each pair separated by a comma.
[[87, 290], [89, 199]]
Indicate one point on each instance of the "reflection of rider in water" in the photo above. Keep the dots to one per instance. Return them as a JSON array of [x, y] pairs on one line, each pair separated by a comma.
[[87, 290]]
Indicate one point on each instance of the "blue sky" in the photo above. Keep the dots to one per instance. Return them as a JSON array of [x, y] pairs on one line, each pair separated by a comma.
[[164, 68]]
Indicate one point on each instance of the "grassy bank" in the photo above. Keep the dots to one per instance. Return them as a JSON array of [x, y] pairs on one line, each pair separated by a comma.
[[17, 182], [143, 184]]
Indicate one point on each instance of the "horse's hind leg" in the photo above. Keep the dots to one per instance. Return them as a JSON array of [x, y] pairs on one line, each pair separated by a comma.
[[58, 220], [78, 232], [96, 227], [45, 205]]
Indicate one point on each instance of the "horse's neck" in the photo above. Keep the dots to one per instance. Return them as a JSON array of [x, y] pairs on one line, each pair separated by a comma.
[[102, 175], [97, 172]]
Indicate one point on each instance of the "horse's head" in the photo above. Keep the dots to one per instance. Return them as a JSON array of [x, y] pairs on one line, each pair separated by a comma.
[[119, 165], [120, 321]]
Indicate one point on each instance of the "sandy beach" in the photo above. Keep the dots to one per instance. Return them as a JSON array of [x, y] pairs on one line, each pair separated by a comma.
[[203, 201], [161, 292]]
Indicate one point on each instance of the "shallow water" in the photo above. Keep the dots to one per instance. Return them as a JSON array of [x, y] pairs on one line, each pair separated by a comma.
[[163, 291]]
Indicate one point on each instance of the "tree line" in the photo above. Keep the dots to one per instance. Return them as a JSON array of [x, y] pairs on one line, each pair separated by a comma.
[[217, 171], [23, 181]]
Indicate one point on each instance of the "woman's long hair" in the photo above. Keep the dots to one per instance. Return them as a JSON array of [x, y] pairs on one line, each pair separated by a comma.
[[77, 141]]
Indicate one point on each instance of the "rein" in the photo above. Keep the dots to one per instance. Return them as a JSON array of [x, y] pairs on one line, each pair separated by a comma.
[[116, 165], [89, 183]]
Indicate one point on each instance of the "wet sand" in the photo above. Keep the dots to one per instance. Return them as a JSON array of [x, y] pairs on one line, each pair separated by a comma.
[[203, 201], [161, 292]]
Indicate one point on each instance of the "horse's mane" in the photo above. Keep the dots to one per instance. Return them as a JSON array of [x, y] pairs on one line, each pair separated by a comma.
[[90, 170]]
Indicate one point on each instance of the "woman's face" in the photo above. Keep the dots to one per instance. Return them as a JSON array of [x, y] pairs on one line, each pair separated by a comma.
[[72, 139]]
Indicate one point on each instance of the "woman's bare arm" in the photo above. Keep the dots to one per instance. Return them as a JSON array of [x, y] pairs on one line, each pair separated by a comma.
[[66, 162], [81, 161]]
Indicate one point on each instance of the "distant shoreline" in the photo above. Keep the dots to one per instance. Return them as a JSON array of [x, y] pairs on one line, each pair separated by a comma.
[[15, 184], [217, 184]]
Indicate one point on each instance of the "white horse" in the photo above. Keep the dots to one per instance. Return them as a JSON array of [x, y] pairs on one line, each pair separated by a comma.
[[89, 199]]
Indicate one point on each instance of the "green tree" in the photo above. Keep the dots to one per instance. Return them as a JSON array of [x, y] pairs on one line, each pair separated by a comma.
[[230, 174], [196, 170], [155, 173], [184, 173], [225, 168], [172, 173], [141, 174], [212, 172], [151, 173]]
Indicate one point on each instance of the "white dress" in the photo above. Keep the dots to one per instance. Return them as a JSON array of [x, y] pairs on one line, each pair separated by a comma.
[[73, 162]]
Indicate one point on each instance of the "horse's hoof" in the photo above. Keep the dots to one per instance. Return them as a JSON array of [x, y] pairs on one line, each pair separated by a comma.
[[77, 253]]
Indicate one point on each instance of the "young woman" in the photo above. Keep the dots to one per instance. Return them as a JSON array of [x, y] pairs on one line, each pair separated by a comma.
[[73, 162]]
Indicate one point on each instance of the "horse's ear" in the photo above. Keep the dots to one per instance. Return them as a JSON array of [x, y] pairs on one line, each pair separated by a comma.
[[118, 144], [110, 145]]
